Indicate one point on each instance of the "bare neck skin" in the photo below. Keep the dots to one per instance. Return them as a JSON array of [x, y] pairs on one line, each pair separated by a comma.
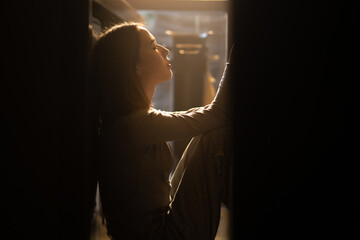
[[149, 89]]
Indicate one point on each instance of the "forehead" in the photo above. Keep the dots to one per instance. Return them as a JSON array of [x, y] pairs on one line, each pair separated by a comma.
[[145, 35]]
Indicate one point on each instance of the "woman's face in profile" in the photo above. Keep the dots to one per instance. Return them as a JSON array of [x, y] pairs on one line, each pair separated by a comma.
[[153, 64]]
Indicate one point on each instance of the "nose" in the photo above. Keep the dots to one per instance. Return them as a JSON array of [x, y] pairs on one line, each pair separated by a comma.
[[165, 51]]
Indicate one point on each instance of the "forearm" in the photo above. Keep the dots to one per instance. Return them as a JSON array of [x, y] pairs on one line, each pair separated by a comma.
[[154, 126]]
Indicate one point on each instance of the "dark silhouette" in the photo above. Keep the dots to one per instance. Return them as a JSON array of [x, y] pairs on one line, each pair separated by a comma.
[[135, 159]]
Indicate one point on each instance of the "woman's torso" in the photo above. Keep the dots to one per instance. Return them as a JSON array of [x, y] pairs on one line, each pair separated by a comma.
[[134, 181]]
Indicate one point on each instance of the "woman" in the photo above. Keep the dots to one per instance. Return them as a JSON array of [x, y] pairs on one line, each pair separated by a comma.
[[137, 199]]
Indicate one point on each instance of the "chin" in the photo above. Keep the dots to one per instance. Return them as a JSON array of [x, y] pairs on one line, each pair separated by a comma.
[[168, 77], [171, 75]]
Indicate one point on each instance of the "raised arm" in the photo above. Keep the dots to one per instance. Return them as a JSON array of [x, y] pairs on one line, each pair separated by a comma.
[[147, 127]]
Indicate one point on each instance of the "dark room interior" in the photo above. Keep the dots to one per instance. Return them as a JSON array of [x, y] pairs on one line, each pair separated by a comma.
[[295, 127]]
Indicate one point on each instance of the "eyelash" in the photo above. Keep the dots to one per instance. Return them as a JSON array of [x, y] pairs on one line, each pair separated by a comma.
[[155, 47]]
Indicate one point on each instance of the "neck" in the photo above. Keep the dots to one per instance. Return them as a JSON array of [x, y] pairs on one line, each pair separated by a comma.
[[149, 89], [150, 93]]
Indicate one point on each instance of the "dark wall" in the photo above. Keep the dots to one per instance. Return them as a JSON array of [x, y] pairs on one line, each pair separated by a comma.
[[297, 71], [44, 167]]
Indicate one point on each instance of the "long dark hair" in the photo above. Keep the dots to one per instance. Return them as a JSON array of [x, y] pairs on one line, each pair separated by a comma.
[[114, 60]]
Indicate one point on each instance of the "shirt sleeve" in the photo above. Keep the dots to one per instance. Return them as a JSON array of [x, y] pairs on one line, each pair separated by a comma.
[[153, 126]]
